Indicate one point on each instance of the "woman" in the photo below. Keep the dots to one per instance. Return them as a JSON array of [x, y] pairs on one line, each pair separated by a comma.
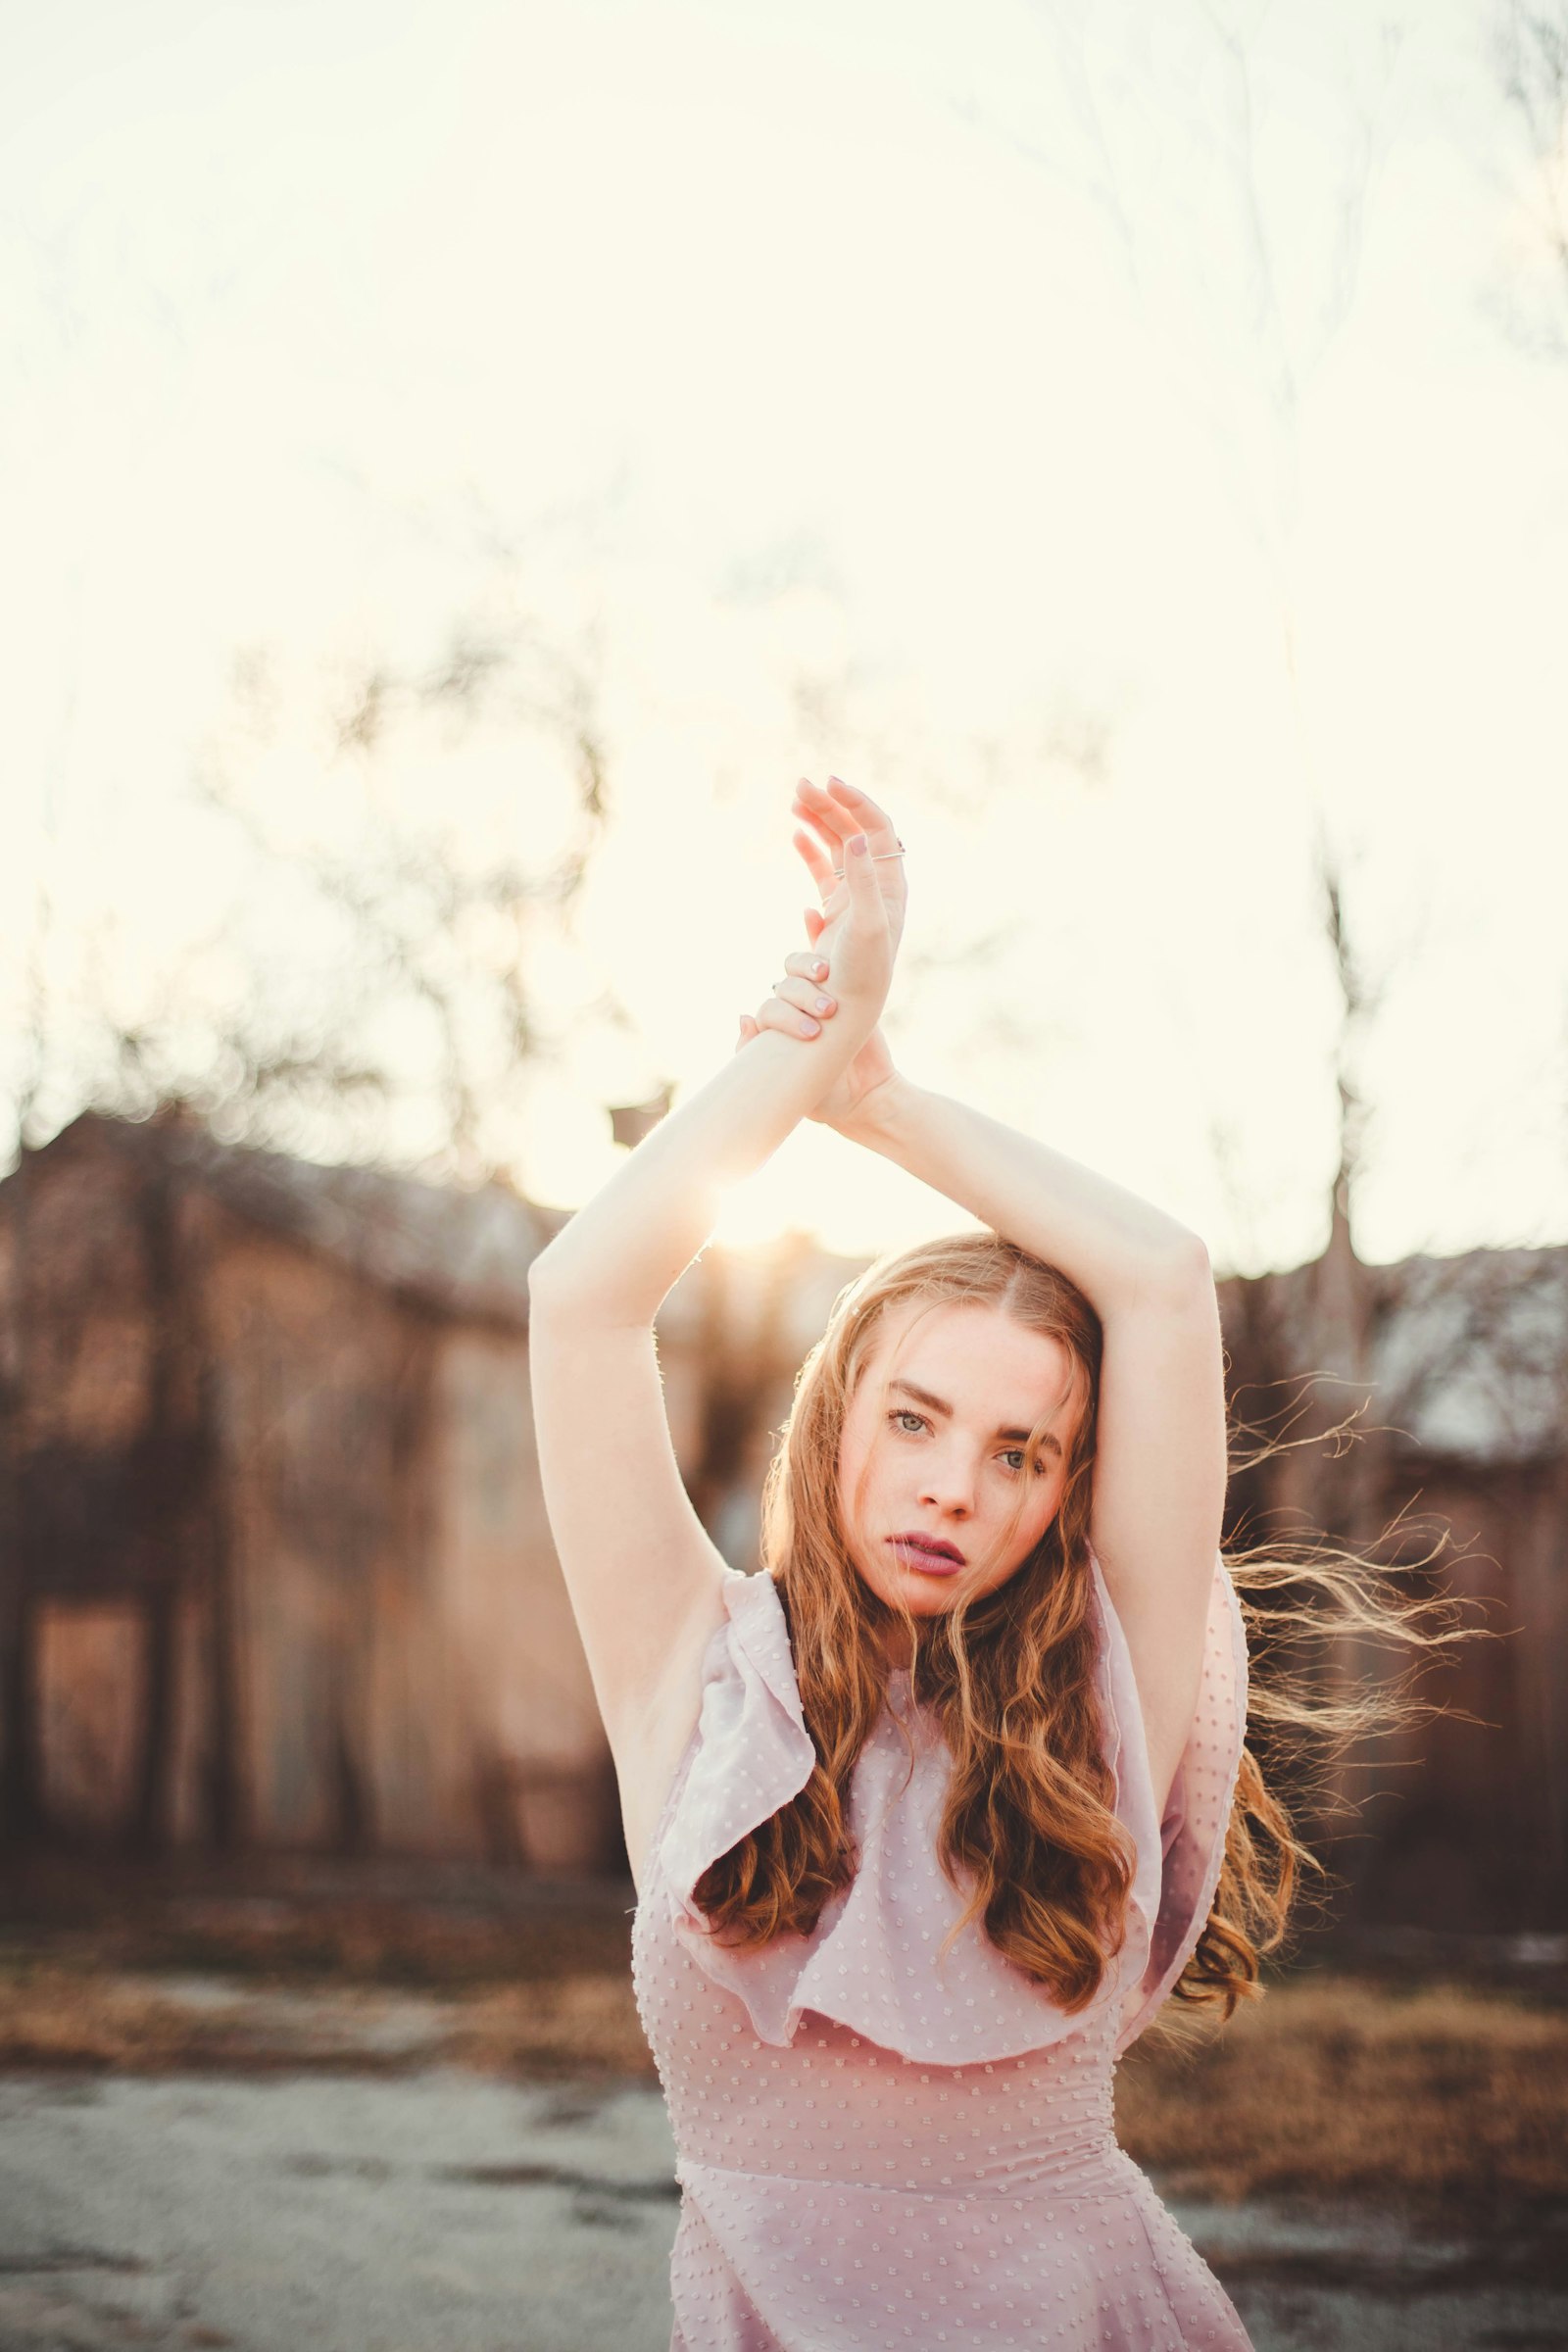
[[928, 1819]]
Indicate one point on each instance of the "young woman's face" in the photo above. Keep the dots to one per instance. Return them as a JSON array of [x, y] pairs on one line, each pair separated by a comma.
[[936, 1430]]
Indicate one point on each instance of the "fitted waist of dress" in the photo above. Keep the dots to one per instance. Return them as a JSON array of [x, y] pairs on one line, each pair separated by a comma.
[[1055, 2178]]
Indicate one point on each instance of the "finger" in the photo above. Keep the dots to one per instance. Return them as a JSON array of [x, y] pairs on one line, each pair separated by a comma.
[[815, 925], [749, 1030], [865, 897], [862, 809], [823, 809], [812, 849], [819, 861], [774, 1013], [845, 809], [807, 996], [837, 827], [804, 966]]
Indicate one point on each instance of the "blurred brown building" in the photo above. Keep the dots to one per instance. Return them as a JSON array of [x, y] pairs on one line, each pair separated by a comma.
[[1456, 1370], [278, 1572], [276, 1567], [280, 1569]]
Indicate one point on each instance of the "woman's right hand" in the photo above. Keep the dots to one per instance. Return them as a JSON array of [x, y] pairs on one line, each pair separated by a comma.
[[872, 1067]]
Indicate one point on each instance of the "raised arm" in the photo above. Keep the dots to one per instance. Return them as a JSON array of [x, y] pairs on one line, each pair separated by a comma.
[[1160, 1465], [643, 1575], [623, 1251]]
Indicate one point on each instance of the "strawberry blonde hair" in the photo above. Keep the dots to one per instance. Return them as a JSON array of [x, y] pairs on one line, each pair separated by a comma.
[[1011, 1675]]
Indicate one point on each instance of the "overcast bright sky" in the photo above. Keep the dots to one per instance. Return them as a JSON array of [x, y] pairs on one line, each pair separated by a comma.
[[977, 401]]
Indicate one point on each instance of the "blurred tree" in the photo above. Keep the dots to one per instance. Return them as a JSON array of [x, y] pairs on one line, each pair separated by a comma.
[[411, 846], [369, 992], [1530, 53]]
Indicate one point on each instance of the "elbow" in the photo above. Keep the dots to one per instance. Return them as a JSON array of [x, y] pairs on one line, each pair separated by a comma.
[[1182, 1271], [565, 1286], [549, 1277], [1191, 1259], [1168, 1277]]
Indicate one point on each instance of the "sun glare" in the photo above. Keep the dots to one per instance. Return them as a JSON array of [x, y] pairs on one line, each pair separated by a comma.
[[757, 1213]]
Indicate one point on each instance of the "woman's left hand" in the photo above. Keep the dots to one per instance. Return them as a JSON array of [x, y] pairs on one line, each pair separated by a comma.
[[832, 816], [803, 999]]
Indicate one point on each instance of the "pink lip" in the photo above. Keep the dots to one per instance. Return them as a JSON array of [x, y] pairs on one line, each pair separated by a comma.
[[912, 1551]]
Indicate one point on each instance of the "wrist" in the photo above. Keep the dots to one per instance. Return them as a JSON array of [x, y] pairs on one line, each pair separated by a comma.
[[878, 1118]]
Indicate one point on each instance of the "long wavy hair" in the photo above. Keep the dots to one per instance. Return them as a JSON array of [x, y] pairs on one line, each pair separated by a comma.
[[1012, 1676]]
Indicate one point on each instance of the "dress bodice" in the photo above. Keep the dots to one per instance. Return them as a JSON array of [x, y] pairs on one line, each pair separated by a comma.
[[851, 2090]]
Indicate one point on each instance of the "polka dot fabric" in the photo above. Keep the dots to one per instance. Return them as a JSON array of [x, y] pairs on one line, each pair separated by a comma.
[[879, 2150]]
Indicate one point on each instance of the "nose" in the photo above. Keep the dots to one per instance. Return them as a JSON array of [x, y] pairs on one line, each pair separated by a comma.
[[949, 1484]]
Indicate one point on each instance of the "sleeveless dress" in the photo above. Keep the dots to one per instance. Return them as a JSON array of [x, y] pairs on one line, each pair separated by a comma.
[[878, 2152]]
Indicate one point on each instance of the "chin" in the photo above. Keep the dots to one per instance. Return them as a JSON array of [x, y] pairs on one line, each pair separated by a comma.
[[923, 1602]]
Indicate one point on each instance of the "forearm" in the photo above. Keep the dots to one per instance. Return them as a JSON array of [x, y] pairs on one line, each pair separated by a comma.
[[624, 1248], [1120, 1250]]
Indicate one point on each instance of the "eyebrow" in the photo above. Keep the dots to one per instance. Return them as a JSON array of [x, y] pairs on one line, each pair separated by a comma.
[[936, 1406]]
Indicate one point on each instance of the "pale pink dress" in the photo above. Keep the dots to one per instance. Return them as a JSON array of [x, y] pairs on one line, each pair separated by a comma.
[[876, 2153]]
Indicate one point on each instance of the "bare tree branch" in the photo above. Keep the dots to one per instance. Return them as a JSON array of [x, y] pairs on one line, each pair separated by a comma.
[[1528, 48]]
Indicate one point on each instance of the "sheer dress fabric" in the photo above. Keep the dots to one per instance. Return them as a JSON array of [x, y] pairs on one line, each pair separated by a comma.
[[879, 2152]]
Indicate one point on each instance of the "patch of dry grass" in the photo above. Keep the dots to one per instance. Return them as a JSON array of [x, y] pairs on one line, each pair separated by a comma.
[[582, 2025], [1334, 2083], [53, 2016], [70, 2016], [350, 1940], [1334, 2086]]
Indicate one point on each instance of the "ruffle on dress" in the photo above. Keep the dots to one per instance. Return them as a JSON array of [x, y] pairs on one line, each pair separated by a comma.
[[871, 1962]]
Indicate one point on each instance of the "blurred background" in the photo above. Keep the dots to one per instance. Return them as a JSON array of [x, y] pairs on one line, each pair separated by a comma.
[[460, 466]]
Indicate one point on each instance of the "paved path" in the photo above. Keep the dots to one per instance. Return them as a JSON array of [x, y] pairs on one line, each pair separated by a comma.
[[438, 2211]]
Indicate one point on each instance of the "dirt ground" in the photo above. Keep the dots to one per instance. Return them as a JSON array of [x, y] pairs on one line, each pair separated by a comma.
[[383, 2117]]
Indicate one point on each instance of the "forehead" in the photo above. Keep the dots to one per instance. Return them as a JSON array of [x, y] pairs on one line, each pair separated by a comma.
[[979, 1359]]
